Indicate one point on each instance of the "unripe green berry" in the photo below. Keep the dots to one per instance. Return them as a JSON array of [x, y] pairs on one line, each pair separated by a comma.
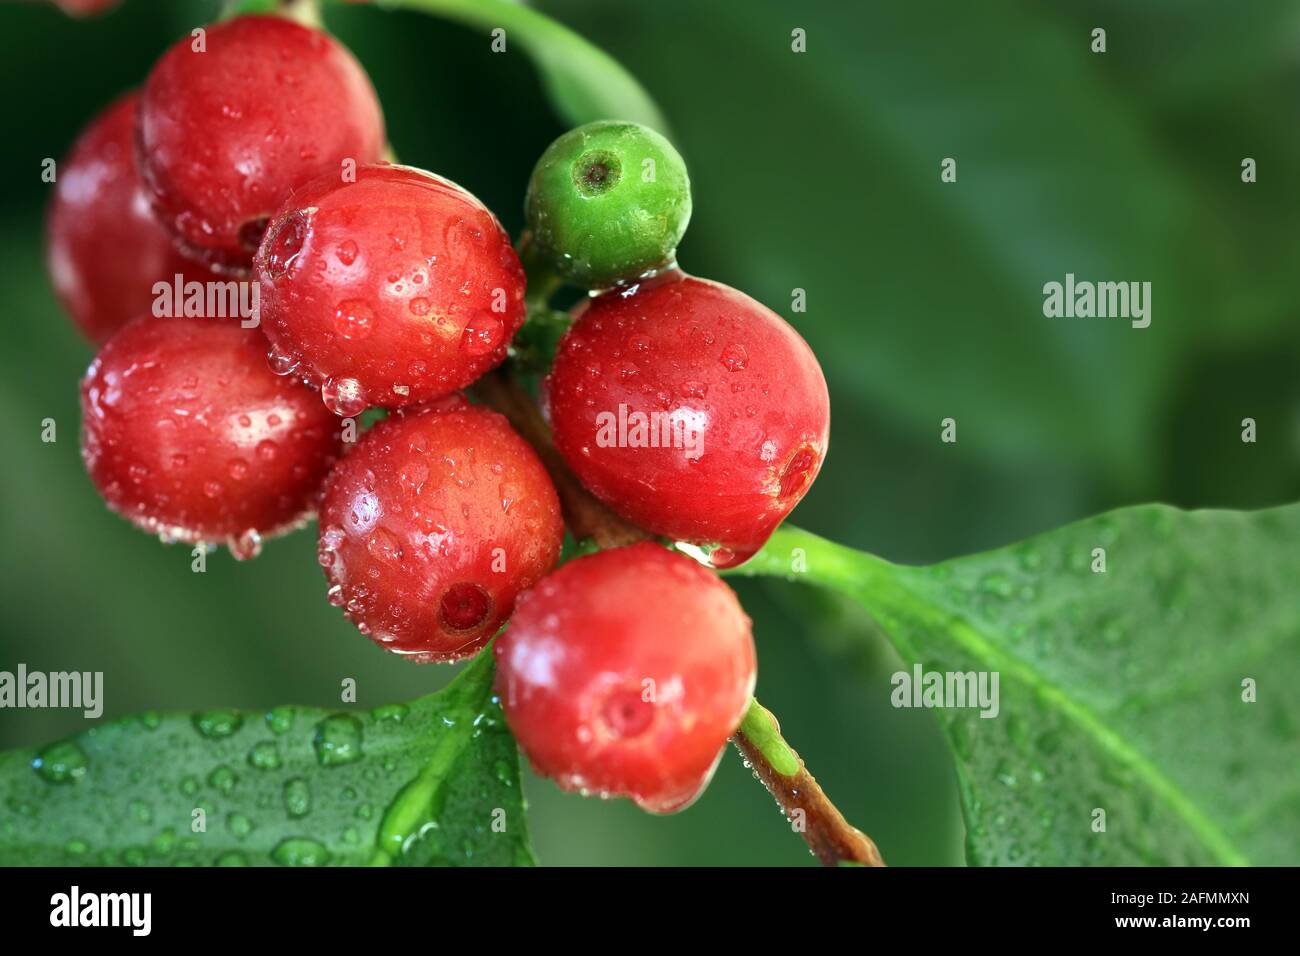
[[607, 203]]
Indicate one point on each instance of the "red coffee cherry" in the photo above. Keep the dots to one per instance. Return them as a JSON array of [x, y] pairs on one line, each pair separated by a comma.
[[228, 132], [433, 524], [691, 410], [624, 673], [186, 433], [104, 249], [395, 289]]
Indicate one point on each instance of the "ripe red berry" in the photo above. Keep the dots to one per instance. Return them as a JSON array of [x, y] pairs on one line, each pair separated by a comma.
[[104, 248], [624, 673], [691, 410], [228, 131], [398, 288], [432, 525], [187, 433]]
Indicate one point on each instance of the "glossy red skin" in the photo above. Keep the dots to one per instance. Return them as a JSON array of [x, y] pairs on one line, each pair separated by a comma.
[[703, 353], [422, 504], [187, 434], [417, 259], [104, 249], [582, 645], [226, 135]]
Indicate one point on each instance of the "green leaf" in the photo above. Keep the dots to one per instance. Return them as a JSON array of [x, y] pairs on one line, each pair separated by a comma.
[[433, 782], [583, 82], [1119, 690]]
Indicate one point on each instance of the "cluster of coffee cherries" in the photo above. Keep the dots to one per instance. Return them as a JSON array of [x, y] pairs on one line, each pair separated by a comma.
[[687, 408]]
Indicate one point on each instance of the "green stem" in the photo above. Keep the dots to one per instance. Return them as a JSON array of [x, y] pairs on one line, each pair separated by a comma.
[[584, 82], [761, 728]]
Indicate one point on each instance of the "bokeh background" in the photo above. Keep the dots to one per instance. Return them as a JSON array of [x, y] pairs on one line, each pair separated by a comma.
[[817, 171]]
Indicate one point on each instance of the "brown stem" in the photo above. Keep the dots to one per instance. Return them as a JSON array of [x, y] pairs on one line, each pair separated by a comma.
[[585, 516], [830, 837]]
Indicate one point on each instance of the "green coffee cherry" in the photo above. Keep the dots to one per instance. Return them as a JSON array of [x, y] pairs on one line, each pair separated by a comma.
[[608, 202]]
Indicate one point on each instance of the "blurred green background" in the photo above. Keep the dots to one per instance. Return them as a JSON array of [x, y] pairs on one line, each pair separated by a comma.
[[817, 171]]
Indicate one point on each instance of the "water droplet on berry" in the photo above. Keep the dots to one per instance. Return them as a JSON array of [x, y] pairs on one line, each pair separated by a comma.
[[482, 334], [335, 594], [354, 319], [280, 361], [384, 546], [346, 253], [734, 357], [247, 546], [343, 396], [420, 306], [284, 245], [799, 473]]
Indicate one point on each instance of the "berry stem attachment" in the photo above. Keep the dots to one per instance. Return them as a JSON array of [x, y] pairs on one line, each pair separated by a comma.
[[830, 837], [305, 12], [543, 281]]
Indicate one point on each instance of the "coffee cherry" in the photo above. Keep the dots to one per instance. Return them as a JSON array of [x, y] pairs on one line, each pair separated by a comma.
[[608, 202], [227, 132], [398, 288], [623, 673], [691, 410], [104, 249], [186, 433], [433, 524]]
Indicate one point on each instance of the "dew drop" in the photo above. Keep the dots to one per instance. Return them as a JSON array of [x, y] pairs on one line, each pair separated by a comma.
[[215, 724], [354, 319], [281, 362], [346, 253], [299, 851], [384, 546], [297, 798], [284, 245], [265, 755], [483, 333], [64, 762], [247, 546], [343, 396], [734, 357], [338, 740]]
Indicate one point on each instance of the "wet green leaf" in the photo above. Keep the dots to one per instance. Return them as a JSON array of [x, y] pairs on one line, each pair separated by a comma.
[[433, 782], [1125, 690]]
